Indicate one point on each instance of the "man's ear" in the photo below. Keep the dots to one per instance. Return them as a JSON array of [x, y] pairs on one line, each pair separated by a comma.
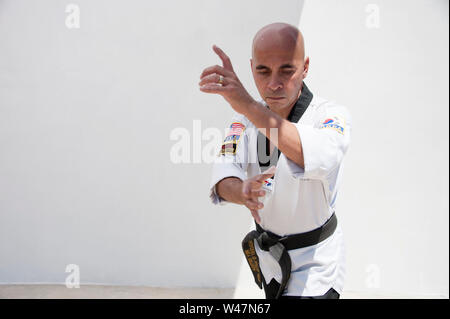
[[251, 63], [306, 67]]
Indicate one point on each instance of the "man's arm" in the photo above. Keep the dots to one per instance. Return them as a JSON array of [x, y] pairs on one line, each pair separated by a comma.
[[230, 189], [288, 140], [224, 81]]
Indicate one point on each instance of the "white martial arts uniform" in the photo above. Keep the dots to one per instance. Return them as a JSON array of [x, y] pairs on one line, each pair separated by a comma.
[[301, 199]]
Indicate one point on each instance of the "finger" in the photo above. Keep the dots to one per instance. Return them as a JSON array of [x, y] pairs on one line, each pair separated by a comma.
[[213, 88], [246, 190], [257, 193], [271, 170], [225, 59], [267, 174], [218, 70], [253, 204], [255, 185], [256, 215], [213, 78]]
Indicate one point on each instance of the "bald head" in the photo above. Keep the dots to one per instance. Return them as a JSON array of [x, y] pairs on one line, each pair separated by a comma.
[[279, 37], [279, 65]]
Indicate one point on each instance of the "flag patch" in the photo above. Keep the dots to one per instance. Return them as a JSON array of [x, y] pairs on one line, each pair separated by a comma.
[[232, 139], [334, 123]]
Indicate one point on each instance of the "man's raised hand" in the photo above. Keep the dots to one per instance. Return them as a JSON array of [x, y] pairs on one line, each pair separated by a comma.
[[224, 81]]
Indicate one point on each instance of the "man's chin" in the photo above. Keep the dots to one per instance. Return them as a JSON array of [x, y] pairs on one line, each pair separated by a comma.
[[276, 105]]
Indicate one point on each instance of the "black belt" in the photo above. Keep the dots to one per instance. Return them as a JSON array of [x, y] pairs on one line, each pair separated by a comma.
[[278, 247]]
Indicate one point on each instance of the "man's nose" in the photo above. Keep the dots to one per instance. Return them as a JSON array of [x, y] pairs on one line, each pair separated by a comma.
[[275, 84]]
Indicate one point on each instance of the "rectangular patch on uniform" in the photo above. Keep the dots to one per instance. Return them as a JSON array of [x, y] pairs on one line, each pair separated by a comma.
[[232, 139], [334, 123], [228, 148]]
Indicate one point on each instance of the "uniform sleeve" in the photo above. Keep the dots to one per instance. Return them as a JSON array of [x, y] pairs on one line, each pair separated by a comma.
[[232, 160], [324, 143]]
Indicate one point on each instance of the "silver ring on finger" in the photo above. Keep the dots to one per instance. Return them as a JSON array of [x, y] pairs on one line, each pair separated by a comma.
[[220, 80]]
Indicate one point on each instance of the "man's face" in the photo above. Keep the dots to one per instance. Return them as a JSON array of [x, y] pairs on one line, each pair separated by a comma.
[[278, 75]]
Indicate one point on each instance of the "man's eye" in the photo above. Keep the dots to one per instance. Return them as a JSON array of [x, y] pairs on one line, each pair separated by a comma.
[[263, 72], [288, 71]]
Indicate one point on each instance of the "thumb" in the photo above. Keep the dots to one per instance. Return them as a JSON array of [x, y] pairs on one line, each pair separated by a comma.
[[267, 174]]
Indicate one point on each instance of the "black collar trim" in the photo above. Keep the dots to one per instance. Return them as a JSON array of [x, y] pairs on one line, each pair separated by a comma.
[[301, 105]]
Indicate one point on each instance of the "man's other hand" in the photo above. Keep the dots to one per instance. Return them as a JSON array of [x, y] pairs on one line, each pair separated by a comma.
[[252, 189]]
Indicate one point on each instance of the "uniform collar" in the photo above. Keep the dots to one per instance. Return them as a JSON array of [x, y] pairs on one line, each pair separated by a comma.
[[301, 105]]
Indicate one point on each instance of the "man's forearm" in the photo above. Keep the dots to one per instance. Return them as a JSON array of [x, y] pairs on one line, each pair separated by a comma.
[[230, 189], [288, 140]]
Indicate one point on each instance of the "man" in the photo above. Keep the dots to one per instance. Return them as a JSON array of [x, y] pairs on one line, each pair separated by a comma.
[[297, 248]]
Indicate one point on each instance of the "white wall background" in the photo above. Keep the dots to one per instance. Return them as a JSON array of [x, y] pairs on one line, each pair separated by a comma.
[[86, 114], [85, 120], [393, 206]]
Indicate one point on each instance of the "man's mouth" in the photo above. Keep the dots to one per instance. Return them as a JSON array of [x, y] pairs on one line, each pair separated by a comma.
[[275, 98]]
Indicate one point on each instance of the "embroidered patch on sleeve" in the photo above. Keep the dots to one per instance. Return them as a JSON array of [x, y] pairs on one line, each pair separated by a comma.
[[334, 123], [232, 139]]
